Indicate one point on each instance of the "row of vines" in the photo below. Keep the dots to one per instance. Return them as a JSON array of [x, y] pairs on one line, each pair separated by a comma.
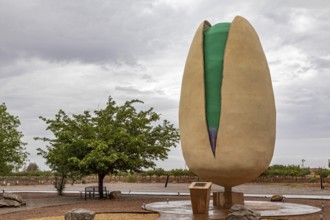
[[274, 174]]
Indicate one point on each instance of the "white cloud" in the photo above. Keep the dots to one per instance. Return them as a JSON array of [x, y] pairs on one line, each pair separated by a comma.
[[301, 20]]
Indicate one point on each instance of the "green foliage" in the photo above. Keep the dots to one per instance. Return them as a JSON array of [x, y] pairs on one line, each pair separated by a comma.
[[312, 180], [323, 172], [12, 150], [110, 140], [181, 172], [289, 170], [162, 172], [31, 167], [156, 172], [32, 174], [130, 178], [304, 172]]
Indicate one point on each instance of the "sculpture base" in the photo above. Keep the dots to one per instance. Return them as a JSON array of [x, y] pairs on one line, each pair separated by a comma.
[[279, 210], [228, 199]]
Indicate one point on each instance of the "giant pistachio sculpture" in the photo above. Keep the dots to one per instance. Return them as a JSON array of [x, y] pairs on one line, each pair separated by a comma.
[[228, 131]]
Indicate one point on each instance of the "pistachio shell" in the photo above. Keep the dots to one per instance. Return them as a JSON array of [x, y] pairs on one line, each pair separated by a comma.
[[246, 135]]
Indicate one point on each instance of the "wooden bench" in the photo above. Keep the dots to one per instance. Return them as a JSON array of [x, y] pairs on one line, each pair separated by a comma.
[[91, 191]]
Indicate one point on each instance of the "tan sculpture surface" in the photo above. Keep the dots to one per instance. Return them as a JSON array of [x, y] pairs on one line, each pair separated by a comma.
[[246, 136]]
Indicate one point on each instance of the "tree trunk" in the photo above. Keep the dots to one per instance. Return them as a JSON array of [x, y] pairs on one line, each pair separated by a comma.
[[100, 180], [322, 181], [60, 184]]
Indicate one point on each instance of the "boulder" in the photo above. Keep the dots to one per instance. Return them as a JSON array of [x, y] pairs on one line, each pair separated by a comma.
[[115, 195], [241, 212], [277, 198], [79, 214], [12, 196], [9, 203]]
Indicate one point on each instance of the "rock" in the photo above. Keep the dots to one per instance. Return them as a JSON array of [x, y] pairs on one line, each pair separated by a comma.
[[15, 197], [241, 212], [115, 195], [11, 200], [79, 214], [9, 203], [277, 198]]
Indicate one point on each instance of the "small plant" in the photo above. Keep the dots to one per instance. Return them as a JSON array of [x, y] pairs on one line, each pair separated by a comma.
[[312, 180], [130, 178]]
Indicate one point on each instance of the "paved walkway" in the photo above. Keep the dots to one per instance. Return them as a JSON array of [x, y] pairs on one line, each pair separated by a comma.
[[261, 190], [183, 188]]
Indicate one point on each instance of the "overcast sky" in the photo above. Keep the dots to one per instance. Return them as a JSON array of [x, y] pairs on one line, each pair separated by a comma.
[[73, 54]]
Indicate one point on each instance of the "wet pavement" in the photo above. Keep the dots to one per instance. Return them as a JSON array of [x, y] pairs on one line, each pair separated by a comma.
[[183, 209], [293, 191], [177, 189]]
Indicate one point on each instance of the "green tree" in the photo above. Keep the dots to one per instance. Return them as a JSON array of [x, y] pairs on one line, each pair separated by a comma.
[[323, 173], [304, 172], [32, 167], [156, 172], [107, 141], [289, 170], [12, 149], [68, 143]]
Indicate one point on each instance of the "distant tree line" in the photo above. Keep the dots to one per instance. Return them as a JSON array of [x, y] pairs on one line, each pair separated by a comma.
[[286, 170]]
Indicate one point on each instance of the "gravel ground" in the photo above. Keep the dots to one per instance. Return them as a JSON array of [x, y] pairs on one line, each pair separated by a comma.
[[42, 205]]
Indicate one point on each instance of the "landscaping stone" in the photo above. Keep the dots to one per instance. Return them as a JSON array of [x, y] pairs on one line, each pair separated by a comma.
[[115, 195], [12, 196], [79, 214], [241, 212], [11, 200], [9, 203], [277, 198]]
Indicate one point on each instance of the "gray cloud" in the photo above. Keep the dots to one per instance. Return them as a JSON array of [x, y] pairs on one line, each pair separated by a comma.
[[72, 55], [107, 31]]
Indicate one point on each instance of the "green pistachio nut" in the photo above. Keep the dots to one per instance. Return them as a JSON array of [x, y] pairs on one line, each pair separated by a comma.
[[245, 136]]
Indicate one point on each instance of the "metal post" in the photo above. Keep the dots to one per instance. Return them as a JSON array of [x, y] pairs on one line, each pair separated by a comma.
[[321, 179], [167, 178], [321, 214]]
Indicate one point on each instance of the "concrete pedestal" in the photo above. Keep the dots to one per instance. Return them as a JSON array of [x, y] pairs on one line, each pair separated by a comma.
[[216, 198], [229, 198], [200, 197], [170, 210]]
